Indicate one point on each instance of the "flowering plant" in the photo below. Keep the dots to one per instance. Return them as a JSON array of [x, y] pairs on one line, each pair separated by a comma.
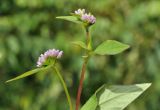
[[115, 97]]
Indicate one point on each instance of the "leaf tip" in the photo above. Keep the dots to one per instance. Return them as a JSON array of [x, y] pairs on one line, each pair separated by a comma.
[[145, 85], [58, 17], [148, 84], [7, 81], [127, 46]]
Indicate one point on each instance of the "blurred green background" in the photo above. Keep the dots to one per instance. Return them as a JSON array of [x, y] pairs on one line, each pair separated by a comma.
[[28, 28]]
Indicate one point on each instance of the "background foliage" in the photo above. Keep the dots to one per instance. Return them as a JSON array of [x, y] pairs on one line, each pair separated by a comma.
[[29, 27]]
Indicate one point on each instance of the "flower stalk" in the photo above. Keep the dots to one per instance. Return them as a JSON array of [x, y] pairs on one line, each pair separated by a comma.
[[64, 86]]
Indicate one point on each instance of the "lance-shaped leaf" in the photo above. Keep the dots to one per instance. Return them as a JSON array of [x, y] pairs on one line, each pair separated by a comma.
[[110, 47], [70, 18], [81, 44], [115, 97], [28, 73]]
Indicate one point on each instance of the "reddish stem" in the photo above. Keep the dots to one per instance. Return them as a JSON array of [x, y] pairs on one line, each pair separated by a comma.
[[83, 72], [81, 85]]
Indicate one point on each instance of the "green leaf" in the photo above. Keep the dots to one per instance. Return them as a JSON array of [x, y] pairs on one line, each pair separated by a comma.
[[91, 104], [70, 18], [110, 47], [81, 44], [115, 97], [28, 73]]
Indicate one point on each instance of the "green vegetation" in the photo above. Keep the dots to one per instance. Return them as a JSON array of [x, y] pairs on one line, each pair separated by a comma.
[[29, 27]]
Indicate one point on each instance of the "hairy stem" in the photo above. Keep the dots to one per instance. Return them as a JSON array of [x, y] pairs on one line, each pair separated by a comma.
[[65, 88], [88, 44]]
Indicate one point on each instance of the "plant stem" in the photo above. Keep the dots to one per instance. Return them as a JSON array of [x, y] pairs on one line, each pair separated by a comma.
[[88, 44], [65, 88], [87, 36], [88, 39], [81, 84]]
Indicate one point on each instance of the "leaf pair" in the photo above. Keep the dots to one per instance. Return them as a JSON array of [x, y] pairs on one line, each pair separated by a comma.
[[108, 47], [114, 97]]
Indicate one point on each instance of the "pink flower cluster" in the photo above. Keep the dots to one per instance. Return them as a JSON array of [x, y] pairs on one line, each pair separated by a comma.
[[51, 53], [86, 17]]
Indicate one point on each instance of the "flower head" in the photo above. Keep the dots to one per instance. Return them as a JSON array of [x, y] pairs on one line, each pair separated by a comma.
[[49, 57], [80, 12], [88, 18], [85, 17]]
